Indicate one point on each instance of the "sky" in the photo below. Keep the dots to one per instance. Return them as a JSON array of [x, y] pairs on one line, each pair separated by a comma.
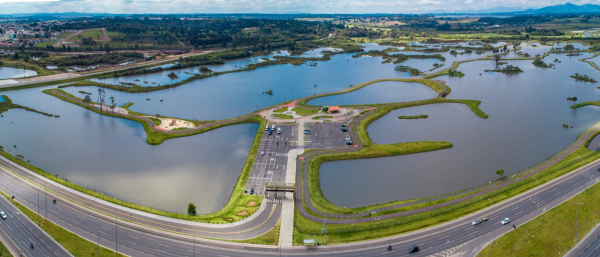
[[268, 6]]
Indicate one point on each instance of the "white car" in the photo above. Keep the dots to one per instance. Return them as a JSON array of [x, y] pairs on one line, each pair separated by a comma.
[[3, 215], [475, 222], [505, 221]]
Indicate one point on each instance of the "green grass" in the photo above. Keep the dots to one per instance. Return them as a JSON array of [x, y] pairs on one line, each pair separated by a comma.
[[554, 232], [413, 117], [322, 117], [156, 121], [280, 110], [304, 111], [594, 103], [283, 116], [4, 251], [65, 35], [95, 34], [73, 243]]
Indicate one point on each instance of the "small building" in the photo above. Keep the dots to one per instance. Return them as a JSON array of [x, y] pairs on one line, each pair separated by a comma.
[[334, 109]]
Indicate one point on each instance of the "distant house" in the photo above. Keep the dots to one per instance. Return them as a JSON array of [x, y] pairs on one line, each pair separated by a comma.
[[334, 109]]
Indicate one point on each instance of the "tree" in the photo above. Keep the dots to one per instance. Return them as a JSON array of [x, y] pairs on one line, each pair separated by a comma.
[[191, 209], [497, 58], [20, 157], [101, 97], [500, 172], [113, 104], [87, 99]]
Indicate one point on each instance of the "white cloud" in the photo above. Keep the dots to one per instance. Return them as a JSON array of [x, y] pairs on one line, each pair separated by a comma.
[[265, 6]]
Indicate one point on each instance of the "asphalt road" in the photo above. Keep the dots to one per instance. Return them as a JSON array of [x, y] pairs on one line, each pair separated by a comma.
[[589, 246], [136, 240], [23, 232]]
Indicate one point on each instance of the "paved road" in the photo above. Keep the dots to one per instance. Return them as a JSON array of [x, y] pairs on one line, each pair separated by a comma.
[[22, 232], [589, 246], [136, 240]]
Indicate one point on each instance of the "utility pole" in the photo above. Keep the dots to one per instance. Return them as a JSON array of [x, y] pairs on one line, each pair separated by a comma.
[[576, 239], [98, 243]]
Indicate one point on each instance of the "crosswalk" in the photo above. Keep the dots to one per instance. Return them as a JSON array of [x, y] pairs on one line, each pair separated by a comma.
[[448, 252], [274, 200]]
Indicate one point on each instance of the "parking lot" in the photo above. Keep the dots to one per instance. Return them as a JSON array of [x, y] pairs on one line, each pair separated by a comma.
[[325, 135], [271, 166]]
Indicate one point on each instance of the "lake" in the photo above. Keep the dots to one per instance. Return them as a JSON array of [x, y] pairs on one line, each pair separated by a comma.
[[110, 155], [13, 73], [526, 113]]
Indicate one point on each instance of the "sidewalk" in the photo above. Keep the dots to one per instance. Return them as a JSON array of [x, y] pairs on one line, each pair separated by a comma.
[[286, 230]]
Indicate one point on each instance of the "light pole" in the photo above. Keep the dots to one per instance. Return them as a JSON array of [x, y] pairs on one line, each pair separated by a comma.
[[527, 237], [576, 239]]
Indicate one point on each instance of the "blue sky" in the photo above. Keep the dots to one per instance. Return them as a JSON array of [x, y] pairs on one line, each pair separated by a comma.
[[268, 6]]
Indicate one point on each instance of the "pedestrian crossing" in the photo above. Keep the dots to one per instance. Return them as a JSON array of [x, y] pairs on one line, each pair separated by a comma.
[[274, 200], [448, 252]]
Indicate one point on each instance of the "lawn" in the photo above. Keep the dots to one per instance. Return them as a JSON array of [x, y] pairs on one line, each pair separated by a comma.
[[64, 35], [304, 111], [283, 116], [554, 232], [3, 251], [95, 34]]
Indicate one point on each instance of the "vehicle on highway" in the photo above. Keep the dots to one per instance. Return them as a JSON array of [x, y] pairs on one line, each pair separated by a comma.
[[252, 191], [267, 127], [390, 248], [505, 221], [476, 222], [3, 215], [306, 131], [413, 249], [484, 218], [278, 130]]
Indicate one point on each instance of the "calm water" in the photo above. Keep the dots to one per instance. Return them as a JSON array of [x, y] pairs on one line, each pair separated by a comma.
[[524, 128], [110, 155], [236, 94], [12, 73], [382, 92]]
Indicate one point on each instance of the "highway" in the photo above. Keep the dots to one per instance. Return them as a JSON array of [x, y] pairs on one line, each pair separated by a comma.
[[23, 232], [138, 240]]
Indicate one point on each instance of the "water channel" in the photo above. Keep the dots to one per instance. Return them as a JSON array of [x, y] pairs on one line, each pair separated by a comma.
[[14, 73]]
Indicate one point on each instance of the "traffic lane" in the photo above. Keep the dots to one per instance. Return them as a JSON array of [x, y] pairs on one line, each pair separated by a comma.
[[134, 242], [592, 249], [23, 232]]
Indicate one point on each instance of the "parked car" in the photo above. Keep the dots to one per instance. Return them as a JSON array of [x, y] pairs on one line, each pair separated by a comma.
[[278, 130], [3, 215], [262, 153], [413, 249], [476, 222], [270, 132], [348, 141], [252, 191], [505, 221], [267, 127], [306, 131]]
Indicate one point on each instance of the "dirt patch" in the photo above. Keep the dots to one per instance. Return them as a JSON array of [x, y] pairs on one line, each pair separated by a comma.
[[229, 219], [252, 203], [243, 213]]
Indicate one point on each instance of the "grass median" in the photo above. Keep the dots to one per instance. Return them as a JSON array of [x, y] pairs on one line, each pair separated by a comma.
[[75, 244], [554, 231], [4, 251]]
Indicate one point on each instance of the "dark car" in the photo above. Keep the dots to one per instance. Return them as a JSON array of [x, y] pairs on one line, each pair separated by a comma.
[[413, 249], [270, 132], [344, 128], [252, 191]]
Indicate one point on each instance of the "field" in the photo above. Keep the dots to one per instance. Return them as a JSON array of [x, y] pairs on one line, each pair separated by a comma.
[[64, 35], [96, 34]]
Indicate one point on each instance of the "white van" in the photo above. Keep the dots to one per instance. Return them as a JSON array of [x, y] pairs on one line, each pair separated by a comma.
[[278, 130], [267, 127], [273, 127]]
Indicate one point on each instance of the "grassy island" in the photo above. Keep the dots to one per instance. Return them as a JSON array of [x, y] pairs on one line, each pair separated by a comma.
[[413, 117]]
